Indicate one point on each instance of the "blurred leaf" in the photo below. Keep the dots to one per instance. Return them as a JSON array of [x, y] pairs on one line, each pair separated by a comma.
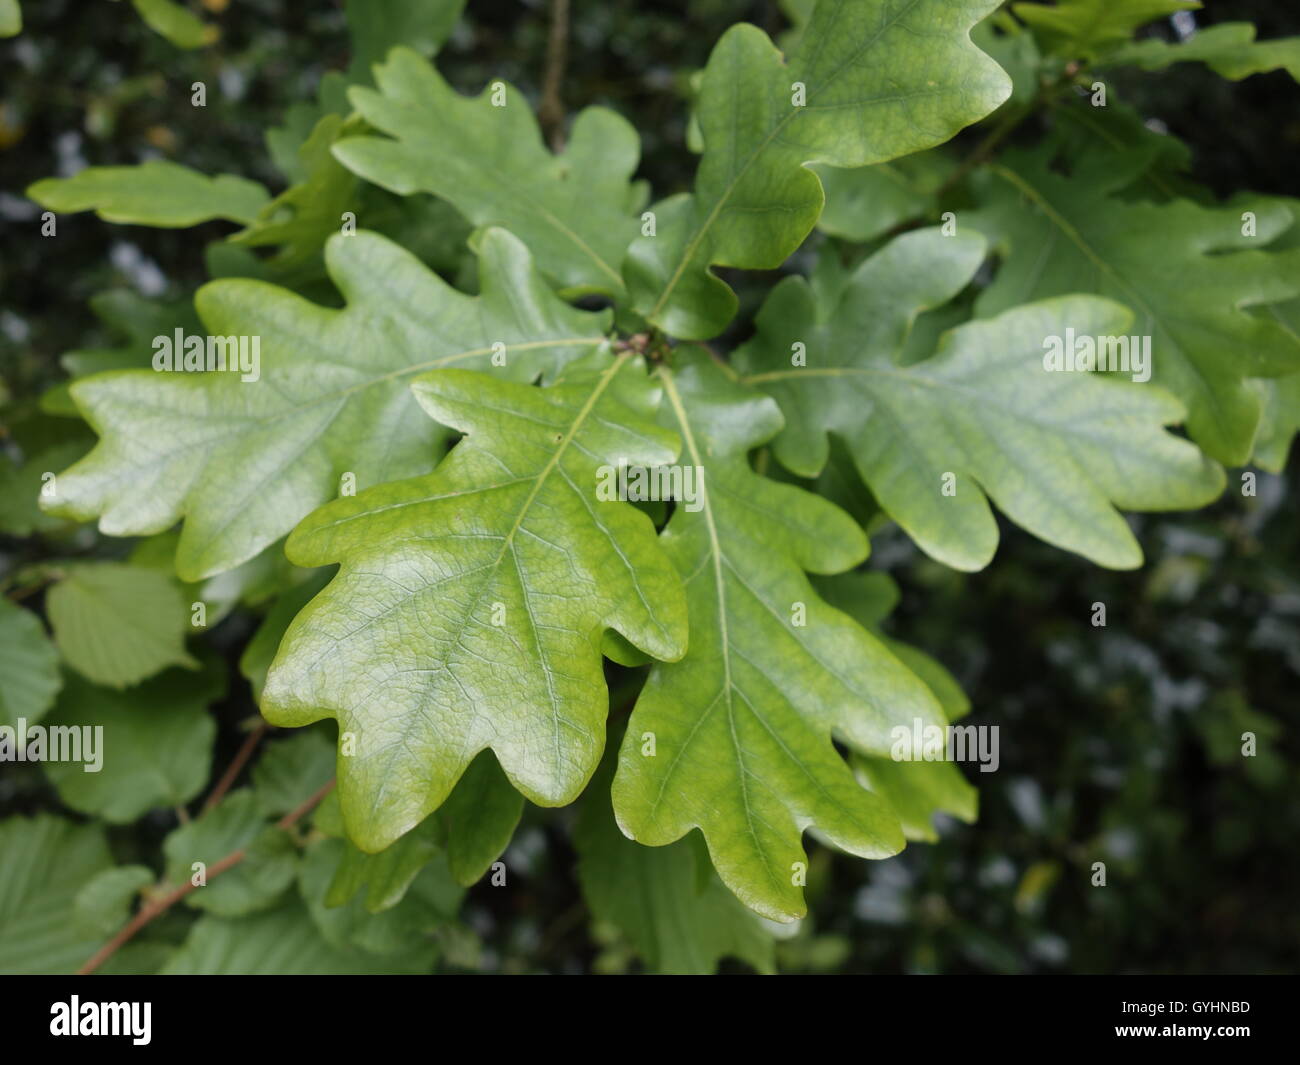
[[1229, 49], [46, 863], [235, 823], [480, 816], [156, 748], [104, 903], [280, 942], [668, 902], [118, 624], [155, 193], [291, 769], [29, 666]]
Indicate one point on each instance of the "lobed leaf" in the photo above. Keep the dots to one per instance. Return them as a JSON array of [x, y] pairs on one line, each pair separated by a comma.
[[735, 739], [244, 461], [402, 647], [1058, 452], [881, 79]]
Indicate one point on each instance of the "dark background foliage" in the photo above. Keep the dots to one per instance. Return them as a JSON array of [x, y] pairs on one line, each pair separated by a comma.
[[1119, 744]]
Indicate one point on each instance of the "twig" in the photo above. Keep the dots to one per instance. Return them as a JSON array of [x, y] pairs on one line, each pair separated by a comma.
[[153, 908], [551, 110], [240, 760]]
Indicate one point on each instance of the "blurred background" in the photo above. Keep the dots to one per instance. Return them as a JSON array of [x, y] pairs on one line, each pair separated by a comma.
[[1118, 744]]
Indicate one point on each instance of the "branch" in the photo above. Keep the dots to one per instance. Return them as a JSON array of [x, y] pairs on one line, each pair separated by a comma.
[[240, 760], [551, 111], [153, 908]]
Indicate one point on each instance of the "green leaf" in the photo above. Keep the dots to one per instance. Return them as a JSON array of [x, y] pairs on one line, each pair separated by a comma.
[[1280, 422], [260, 651], [401, 929], [291, 770], [11, 18], [155, 193], [156, 747], [21, 486], [1191, 291], [29, 666], [46, 863], [741, 727], [1058, 452], [480, 816], [668, 902], [104, 903], [133, 319], [1229, 49], [244, 461], [865, 203], [236, 823], [376, 26], [881, 80], [916, 790], [575, 211], [509, 528], [280, 942], [172, 20], [302, 218], [379, 881], [117, 624], [1078, 29]]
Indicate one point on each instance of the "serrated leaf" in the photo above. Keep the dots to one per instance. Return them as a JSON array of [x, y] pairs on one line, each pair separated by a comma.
[[742, 725], [1191, 290], [117, 624], [46, 862], [104, 903], [29, 666], [509, 526], [172, 20], [156, 746], [668, 902], [575, 210], [1082, 28], [1280, 422], [1229, 49], [1058, 452], [280, 942], [480, 816], [291, 770], [236, 823], [881, 79], [244, 462], [401, 928], [155, 193]]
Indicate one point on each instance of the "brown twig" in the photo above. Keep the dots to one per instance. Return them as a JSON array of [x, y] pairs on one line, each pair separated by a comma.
[[154, 907], [551, 110], [240, 760]]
